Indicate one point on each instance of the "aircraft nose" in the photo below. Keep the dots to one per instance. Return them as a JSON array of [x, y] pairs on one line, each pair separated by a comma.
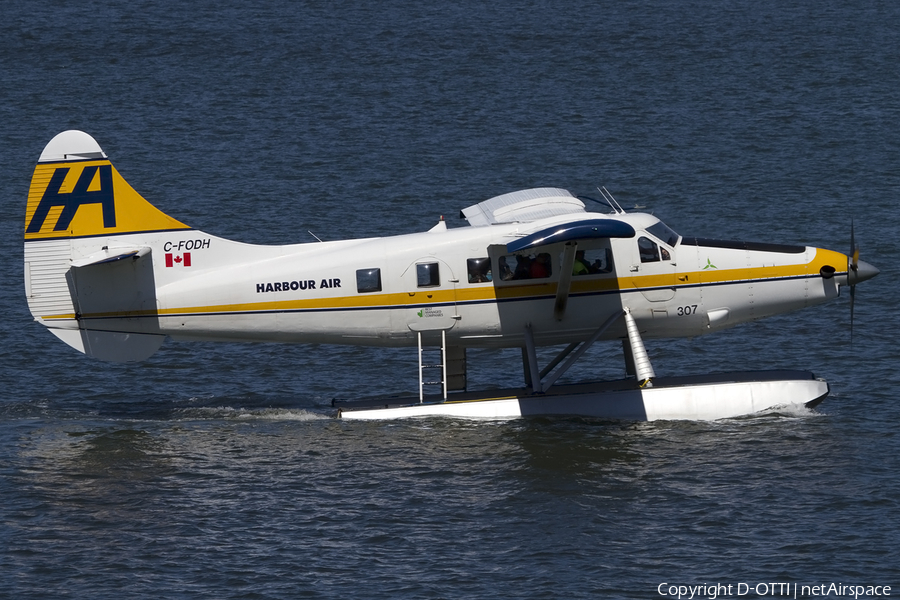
[[863, 272]]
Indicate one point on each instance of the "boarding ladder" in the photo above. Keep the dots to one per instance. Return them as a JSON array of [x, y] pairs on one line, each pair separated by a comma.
[[437, 370]]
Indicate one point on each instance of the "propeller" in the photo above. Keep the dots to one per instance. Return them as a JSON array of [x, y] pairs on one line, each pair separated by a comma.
[[857, 271], [852, 273]]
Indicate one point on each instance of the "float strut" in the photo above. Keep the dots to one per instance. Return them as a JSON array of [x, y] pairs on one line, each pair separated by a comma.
[[532, 373], [581, 350]]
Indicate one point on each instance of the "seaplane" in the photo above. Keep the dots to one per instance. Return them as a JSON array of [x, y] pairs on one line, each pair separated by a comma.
[[113, 276]]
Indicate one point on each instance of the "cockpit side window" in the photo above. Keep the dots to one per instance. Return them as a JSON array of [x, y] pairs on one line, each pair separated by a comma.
[[428, 275], [648, 249]]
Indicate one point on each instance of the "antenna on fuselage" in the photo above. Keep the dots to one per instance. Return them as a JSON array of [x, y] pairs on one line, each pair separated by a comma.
[[312, 234], [617, 208]]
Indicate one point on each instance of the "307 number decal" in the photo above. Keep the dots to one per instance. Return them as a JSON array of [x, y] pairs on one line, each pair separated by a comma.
[[684, 311]]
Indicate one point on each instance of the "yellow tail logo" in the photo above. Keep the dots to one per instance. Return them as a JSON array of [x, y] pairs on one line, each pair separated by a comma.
[[88, 198], [72, 201]]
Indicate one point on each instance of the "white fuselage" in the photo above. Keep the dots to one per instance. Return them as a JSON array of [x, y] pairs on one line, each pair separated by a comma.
[[197, 286]]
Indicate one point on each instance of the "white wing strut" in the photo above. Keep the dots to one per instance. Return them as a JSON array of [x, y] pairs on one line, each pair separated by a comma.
[[643, 368]]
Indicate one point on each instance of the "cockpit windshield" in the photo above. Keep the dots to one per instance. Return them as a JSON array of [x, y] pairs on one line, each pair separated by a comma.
[[664, 233]]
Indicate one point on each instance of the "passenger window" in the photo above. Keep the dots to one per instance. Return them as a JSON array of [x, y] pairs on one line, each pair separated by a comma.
[[648, 249], [479, 270], [428, 275], [592, 261], [514, 267], [368, 280]]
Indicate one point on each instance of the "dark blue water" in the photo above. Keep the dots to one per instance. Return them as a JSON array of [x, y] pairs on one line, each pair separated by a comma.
[[218, 471]]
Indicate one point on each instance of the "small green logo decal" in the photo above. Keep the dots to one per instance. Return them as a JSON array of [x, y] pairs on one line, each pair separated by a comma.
[[709, 265], [420, 313]]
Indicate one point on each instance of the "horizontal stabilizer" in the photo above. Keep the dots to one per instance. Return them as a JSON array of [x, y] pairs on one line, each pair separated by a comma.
[[89, 273], [110, 345], [111, 256]]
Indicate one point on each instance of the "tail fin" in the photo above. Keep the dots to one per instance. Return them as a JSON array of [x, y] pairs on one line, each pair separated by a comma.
[[84, 252]]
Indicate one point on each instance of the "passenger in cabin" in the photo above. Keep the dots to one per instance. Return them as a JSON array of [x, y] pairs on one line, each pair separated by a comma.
[[505, 272], [580, 267], [540, 267], [523, 267], [601, 264], [479, 270]]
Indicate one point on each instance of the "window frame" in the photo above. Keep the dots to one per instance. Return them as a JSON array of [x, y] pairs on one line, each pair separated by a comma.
[[432, 271], [644, 257], [363, 273], [592, 255], [474, 268]]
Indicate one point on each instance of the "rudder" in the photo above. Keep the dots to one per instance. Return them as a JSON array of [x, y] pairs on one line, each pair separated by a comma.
[[82, 215]]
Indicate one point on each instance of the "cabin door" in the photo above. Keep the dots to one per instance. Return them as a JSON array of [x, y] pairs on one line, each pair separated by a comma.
[[430, 286], [653, 269]]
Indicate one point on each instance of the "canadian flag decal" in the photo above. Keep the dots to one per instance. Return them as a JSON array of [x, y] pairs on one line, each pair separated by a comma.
[[182, 260]]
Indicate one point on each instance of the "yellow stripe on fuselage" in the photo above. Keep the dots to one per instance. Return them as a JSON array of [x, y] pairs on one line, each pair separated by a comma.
[[491, 293], [745, 274]]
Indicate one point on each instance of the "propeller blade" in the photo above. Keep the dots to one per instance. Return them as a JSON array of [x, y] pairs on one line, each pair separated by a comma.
[[852, 265], [857, 271], [853, 273]]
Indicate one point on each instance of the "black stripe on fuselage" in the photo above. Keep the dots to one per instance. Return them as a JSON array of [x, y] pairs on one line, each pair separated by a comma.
[[736, 245]]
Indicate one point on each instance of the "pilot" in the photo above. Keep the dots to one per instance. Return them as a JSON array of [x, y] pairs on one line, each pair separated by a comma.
[[580, 267]]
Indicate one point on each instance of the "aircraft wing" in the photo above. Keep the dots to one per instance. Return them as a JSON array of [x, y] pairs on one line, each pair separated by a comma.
[[568, 232]]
